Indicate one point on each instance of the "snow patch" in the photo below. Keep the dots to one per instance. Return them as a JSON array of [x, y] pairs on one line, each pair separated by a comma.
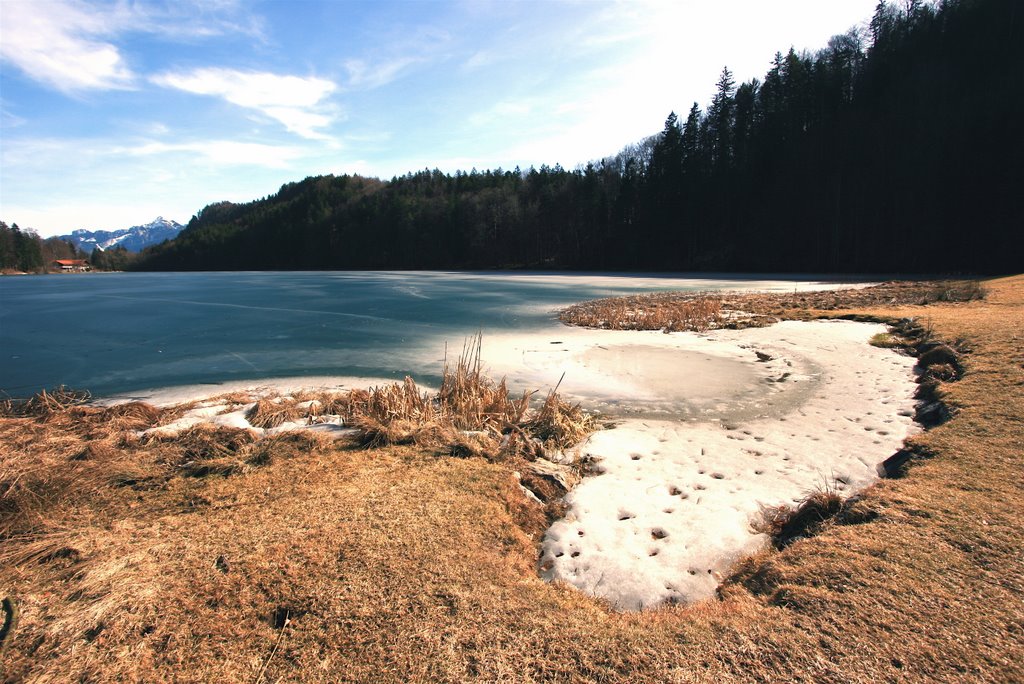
[[672, 509]]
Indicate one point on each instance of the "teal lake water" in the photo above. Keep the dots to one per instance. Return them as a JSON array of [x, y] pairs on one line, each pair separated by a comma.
[[122, 332]]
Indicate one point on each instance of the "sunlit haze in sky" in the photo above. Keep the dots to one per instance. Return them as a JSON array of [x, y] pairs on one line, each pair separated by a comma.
[[115, 112]]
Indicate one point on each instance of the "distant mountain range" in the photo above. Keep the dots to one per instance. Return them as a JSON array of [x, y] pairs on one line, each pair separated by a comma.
[[134, 239]]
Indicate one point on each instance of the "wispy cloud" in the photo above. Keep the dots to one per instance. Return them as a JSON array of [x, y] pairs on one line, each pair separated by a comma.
[[61, 44], [182, 20], [223, 152], [295, 102], [9, 119], [399, 50], [501, 112], [480, 59], [366, 76], [28, 156]]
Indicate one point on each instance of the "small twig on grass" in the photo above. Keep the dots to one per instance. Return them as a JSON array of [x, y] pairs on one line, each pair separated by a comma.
[[277, 645]]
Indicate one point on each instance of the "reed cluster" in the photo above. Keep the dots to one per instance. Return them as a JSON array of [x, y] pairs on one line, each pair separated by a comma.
[[469, 414], [671, 312]]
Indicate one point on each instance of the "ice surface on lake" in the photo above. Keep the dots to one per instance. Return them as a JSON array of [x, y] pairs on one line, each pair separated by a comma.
[[120, 333]]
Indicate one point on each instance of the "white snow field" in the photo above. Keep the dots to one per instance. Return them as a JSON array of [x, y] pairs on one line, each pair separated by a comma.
[[712, 432]]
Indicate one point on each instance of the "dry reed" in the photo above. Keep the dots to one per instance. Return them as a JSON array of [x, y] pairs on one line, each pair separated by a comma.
[[681, 311], [671, 312], [48, 403], [470, 414], [267, 413], [559, 423]]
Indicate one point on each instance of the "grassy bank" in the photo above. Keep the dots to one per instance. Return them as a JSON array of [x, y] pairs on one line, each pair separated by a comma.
[[325, 560]]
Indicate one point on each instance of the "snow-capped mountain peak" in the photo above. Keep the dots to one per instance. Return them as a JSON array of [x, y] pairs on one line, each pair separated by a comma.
[[134, 239]]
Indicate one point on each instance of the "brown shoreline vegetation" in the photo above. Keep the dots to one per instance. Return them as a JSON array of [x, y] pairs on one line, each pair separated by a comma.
[[323, 560], [699, 311]]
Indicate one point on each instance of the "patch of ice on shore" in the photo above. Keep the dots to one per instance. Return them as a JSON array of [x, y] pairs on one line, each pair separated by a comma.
[[171, 396], [207, 413], [671, 511]]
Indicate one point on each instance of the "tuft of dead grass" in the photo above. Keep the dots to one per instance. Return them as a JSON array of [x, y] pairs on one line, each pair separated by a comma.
[[469, 415], [204, 450], [47, 403], [956, 291], [886, 341], [786, 524], [559, 424], [267, 413], [471, 401]]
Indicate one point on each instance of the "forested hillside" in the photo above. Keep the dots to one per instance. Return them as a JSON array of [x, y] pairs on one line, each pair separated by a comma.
[[894, 148]]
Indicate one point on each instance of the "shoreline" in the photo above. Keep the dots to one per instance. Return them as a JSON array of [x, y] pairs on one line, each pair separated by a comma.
[[741, 399]]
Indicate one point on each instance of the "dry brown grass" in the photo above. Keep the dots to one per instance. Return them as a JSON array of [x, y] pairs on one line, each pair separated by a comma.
[[75, 450], [668, 311], [814, 512], [339, 564], [470, 414], [266, 413], [48, 403], [472, 402], [676, 311]]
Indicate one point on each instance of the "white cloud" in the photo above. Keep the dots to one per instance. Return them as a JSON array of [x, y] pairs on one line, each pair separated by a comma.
[[60, 44], [300, 121], [71, 45], [95, 161], [250, 88], [156, 128], [294, 102]]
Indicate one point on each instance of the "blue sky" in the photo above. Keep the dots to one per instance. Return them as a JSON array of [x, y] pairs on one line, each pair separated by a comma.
[[112, 113]]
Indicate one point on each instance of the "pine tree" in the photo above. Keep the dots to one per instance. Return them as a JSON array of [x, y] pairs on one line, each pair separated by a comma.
[[720, 120]]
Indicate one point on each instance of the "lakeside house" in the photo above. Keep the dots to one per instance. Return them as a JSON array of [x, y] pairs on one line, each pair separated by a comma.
[[71, 265]]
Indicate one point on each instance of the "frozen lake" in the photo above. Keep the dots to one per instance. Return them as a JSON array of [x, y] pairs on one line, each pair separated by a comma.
[[124, 332]]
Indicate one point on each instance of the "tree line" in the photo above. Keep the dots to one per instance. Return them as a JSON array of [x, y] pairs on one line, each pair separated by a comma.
[[896, 147], [24, 251]]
